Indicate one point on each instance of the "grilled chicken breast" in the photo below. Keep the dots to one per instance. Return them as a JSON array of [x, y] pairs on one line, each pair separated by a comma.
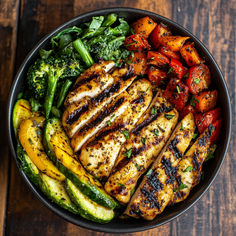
[[140, 150], [101, 119], [91, 82], [190, 167], [98, 155], [78, 114], [156, 189]]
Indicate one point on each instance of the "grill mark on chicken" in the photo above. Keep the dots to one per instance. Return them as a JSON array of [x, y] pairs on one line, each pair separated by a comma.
[[162, 109], [154, 182], [196, 163], [135, 210], [172, 147], [75, 115], [85, 80], [102, 116], [107, 93], [169, 170], [138, 100], [151, 198], [105, 133]]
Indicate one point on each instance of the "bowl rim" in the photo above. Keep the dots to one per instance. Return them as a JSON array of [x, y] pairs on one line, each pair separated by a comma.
[[58, 210]]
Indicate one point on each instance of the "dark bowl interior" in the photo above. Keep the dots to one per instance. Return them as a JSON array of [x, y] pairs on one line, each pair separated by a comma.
[[211, 168]]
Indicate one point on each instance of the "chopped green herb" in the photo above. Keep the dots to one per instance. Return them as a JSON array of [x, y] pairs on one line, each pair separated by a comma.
[[182, 127], [210, 156], [149, 172], [126, 133], [162, 130], [152, 58], [181, 186], [188, 169], [109, 123], [168, 116], [147, 89], [112, 116], [170, 70], [121, 185], [30, 141], [156, 132], [143, 140], [178, 90], [196, 81], [192, 101], [137, 166], [195, 135], [153, 111], [131, 30], [186, 75], [20, 95], [129, 44], [128, 153], [132, 191]]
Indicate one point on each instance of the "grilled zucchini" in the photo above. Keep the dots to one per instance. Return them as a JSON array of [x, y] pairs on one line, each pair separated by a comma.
[[88, 208], [58, 148]]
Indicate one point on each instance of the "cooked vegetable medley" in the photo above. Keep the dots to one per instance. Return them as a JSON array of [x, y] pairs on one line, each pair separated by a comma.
[[117, 118]]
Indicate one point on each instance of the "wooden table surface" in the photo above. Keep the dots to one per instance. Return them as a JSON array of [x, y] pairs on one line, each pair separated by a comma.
[[23, 23]]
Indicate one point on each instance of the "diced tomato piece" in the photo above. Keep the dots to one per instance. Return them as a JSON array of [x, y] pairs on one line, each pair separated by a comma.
[[144, 26], [205, 101], [215, 131], [160, 31], [136, 42], [167, 52], [156, 75], [174, 43], [204, 120], [190, 55], [139, 63], [157, 59], [187, 109], [199, 79], [177, 93], [177, 68]]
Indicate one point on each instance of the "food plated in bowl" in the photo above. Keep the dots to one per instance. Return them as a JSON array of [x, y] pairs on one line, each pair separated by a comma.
[[142, 125]]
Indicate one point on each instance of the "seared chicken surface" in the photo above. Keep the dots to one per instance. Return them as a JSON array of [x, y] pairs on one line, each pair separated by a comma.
[[99, 154], [156, 189], [140, 150]]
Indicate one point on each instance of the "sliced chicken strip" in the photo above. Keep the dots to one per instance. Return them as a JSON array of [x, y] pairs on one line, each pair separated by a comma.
[[190, 167], [78, 114], [141, 149], [103, 118], [156, 189], [91, 82], [98, 155]]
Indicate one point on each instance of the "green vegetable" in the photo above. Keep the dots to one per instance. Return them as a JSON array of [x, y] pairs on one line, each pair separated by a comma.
[[56, 112], [149, 172], [59, 152], [35, 105], [195, 135], [121, 185], [156, 132], [182, 127], [121, 29], [44, 54], [64, 90], [153, 110], [196, 81], [125, 133], [188, 169], [88, 209], [109, 20], [168, 116], [181, 186], [84, 53], [128, 153]]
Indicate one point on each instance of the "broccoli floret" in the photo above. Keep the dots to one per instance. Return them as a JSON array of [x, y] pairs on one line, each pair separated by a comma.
[[37, 76]]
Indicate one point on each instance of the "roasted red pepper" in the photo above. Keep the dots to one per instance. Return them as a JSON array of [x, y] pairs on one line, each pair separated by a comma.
[[215, 131], [156, 75], [187, 109], [136, 42], [177, 68], [157, 59]]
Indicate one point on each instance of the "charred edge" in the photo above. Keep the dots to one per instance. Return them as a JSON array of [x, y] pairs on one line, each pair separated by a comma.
[[196, 163], [204, 139], [179, 195], [126, 160], [105, 133], [138, 100], [172, 147], [107, 92], [158, 140], [128, 74], [84, 80], [154, 181], [151, 118], [169, 170], [103, 115], [75, 115], [135, 210], [151, 198]]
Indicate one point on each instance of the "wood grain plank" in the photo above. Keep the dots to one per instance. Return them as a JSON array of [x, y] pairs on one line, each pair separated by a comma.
[[8, 27]]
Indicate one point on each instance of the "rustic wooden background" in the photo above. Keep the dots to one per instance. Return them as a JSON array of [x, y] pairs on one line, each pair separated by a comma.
[[24, 22]]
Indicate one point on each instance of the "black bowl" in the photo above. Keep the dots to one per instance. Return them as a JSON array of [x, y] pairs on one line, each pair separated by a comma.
[[211, 168]]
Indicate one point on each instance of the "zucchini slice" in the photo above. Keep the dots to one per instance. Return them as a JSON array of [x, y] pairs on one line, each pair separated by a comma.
[[30, 137], [21, 111], [59, 150], [53, 189], [88, 208]]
